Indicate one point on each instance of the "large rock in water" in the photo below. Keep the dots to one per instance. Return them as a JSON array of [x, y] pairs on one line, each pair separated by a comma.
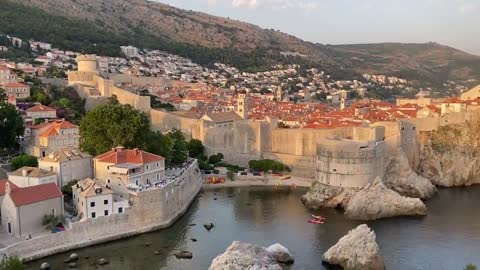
[[358, 250], [320, 195], [281, 253], [244, 256], [376, 201], [400, 177]]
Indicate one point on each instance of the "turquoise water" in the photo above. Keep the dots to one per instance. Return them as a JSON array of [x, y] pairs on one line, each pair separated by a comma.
[[447, 238]]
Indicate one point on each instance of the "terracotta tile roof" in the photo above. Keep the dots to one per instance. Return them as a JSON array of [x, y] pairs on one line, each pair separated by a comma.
[[56, 126], [32, 172], [33, 194], [120, 155], [88, 188], [2, 186], [15, 84], [40, 108]]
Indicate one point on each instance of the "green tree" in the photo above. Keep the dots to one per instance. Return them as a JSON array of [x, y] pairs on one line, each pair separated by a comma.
[[111, 125], [470, 267], [11, 124], [67, 189], [179, 154], [215, 159], [64, 103], [195, 148], [160, 144], [267, 165], [24, 160], [12, 263]]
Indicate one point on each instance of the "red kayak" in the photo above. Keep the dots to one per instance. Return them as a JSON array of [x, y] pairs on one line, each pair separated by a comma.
[[316, 221]]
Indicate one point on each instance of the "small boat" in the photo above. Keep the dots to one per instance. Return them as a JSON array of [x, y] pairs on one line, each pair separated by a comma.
[[286, 177], [319, 217], [316, 221]]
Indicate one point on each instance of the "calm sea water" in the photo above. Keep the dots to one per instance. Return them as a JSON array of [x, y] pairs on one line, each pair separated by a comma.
[[448, 238]]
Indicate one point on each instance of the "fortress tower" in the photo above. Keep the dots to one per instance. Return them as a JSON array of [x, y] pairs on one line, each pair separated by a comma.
[[87, 63], [242, 105]]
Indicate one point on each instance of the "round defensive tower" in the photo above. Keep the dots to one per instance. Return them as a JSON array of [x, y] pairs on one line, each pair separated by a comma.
[[87, 63]]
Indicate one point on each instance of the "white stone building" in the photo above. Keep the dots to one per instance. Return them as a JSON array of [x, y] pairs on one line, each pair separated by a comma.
[[122, 168], [93, 200], [41, 111], [32, 176], [69, 164], [24, 208]]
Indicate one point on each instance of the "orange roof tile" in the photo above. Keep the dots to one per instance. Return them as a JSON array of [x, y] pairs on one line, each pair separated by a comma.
[[14, 84], [40, 108], [33, 194], [120, 155]]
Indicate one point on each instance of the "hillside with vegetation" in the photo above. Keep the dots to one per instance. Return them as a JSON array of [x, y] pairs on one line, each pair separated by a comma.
[[95, 26]]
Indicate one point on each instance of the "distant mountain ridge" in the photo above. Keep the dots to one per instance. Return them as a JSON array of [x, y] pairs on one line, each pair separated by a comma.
[[229, 40]]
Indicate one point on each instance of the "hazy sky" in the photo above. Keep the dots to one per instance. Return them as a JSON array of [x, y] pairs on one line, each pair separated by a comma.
[[450, 22]]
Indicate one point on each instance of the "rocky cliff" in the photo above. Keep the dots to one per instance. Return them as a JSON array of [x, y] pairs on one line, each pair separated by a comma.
[[320, 196], [450, 156], [375, 201], [356, 250], [401, 178]]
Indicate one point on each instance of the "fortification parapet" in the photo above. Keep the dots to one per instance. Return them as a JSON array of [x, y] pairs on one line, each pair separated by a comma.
[[87, 63], [349, 163]]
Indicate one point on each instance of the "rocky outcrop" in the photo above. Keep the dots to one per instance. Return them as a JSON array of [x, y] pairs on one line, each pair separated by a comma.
[[375, 201], [281, 253], [320, 195], [244, 256], [400, 177], [356, 250], [450, 157]]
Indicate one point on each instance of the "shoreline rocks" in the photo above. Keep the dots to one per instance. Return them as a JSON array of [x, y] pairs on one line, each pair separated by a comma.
[[281, 254], [356, 250], [245, 256], [320, 195], [401, 178], [375, 201]]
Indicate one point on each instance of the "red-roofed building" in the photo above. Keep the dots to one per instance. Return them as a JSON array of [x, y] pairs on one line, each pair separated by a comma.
[[47, 137], [24, 208], [19, 90], [123, 168], [41, 111]]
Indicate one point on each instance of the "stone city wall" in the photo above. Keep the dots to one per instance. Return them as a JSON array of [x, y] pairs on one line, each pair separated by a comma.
[[160, 82], [349, 163], [151, 210]]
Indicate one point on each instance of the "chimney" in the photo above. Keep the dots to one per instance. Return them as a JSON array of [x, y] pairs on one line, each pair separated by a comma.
[[24, 172], [136, 151], [119, 148], [8, 189]]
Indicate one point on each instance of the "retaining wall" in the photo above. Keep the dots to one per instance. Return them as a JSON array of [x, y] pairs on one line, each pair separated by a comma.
[[151, 210]]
